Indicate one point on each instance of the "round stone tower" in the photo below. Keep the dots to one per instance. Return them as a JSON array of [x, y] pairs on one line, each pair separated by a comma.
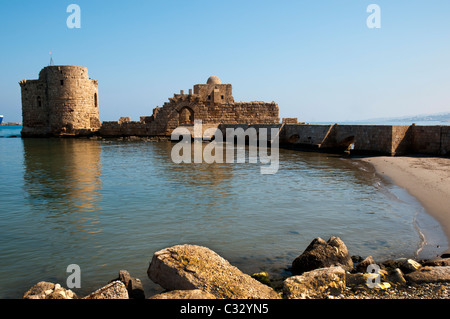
[[63, 101]]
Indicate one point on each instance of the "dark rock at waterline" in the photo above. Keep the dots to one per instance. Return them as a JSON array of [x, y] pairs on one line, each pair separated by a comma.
[[396, 276], [357, 259], [410, 265], [134, 285], [321, 254], [262, 277], [362, 266]]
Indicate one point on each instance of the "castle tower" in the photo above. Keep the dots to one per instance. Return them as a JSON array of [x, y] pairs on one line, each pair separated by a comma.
[[214, 92], [63, 101]]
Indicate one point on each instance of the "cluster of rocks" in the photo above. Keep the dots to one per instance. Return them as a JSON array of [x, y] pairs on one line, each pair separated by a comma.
[[48, 290], [324, 270], [123, 287]]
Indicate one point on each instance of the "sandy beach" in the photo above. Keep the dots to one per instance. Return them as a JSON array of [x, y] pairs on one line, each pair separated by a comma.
[[425, 178]]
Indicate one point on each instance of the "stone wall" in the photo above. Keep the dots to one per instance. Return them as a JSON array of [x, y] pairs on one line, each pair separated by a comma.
[[211, 103], [431, 139], [402, 139], [63, 101], [310, 136], [367, 139]]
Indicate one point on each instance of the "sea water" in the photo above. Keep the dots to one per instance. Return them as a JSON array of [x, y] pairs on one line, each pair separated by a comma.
[[108, 205]]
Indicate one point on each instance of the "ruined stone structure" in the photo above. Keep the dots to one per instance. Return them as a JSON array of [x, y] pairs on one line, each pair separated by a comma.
[[212, 103], [63, 101]]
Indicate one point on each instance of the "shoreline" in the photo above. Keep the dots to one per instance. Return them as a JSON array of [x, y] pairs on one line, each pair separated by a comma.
[[425, 178]]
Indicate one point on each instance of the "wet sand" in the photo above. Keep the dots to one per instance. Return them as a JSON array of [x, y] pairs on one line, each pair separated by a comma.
[[425, 178]]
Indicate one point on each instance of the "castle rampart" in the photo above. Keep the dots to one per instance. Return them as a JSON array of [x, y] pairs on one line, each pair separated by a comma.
[[64, 102]]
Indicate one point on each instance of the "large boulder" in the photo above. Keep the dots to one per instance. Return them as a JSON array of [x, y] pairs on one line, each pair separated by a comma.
[[48, 290], [113, 290], [319, 283], [322, 254], [429, 274], [184, 294], [188, 267]]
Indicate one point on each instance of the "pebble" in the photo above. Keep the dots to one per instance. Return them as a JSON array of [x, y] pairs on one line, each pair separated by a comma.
[[423, 291]]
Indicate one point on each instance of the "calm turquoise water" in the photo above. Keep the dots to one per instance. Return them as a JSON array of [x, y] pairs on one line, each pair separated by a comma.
[[109, 205]]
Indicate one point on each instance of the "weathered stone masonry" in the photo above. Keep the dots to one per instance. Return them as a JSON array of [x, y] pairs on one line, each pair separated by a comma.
[[212, 103], [63, 101], [376, 139]]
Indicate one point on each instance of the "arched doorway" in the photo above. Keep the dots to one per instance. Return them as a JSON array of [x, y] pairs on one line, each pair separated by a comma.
[[186, 116]]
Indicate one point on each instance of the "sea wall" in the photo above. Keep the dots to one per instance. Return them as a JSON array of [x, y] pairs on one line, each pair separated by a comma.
[[431, 139], [356, 139], [377, 139]]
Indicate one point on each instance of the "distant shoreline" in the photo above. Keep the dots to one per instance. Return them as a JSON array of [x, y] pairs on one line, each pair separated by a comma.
[[11, 124]]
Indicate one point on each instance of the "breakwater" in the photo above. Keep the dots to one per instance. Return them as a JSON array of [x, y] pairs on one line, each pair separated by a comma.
[[356, 139]]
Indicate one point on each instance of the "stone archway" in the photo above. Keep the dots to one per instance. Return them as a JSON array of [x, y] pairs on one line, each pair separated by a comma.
[[347, 143], [186, 115]]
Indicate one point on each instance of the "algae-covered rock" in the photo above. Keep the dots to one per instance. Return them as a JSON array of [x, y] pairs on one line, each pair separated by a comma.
[[319, 283], [189, 267], [184, 294], [262, 277]]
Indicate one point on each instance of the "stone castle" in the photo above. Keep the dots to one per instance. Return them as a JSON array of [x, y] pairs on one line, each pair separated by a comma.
[[212, 103], [64, 102]]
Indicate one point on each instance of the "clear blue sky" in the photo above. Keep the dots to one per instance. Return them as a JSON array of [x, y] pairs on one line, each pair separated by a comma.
[[317, 59]]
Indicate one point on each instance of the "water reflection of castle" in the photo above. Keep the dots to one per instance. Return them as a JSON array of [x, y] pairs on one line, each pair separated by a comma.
[[62, 178]]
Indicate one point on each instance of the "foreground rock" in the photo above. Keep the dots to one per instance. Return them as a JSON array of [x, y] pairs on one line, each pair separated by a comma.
[[189, 267], [321, 254], [113, 290], [362, 266], [184, 294], [429, 274], [319, 283], [134, 285], [48, 290], [437, 262]]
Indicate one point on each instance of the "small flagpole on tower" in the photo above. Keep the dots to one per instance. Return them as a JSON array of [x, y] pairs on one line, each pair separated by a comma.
[[51, 59]]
